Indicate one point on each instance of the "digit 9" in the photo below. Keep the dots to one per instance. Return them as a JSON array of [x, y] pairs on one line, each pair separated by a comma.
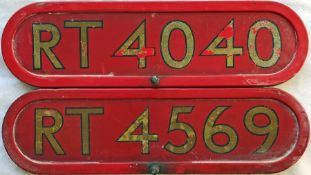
[[270, 130]]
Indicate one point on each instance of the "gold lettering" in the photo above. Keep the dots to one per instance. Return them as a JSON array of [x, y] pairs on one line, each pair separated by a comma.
[[48, 132], [84, 26], [211, 128], [270, 129], [168, 29], [277, 44], [46, 46], [143, 122], [84, 114], [227, 34], [182, 126]]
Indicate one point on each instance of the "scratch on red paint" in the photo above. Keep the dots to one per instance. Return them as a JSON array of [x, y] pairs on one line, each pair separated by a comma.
[[208, 52], [278, 52], [145, 52], [227, 32], [254, 30], [119, 53]]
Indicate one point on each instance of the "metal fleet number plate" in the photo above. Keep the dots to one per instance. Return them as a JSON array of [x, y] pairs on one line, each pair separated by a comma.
[[155, 131], [146, 44]]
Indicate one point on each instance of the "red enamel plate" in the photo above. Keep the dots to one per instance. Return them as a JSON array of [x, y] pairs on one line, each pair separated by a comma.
[[155, 131], [147, 44]]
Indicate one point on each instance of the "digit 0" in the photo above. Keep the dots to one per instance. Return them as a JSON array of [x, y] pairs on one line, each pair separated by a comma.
[[277, 46], [165, 51]]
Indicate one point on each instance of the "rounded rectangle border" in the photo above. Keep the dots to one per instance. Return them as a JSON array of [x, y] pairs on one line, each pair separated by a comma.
[[155, 79], [220, 166]]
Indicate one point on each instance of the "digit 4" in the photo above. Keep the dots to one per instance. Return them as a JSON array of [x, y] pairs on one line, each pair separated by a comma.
[[145, 137], [230, 51], [141, 51]]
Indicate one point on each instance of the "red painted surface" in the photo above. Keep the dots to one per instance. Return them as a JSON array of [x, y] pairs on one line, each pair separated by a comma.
[[206, 20], [123, 106], [227, 33]]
